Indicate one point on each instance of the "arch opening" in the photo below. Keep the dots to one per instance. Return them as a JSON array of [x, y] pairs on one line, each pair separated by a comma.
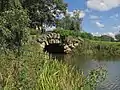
[[54, 48]]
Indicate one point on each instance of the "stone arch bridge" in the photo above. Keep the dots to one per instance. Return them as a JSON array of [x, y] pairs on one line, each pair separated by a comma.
[[54, 43]]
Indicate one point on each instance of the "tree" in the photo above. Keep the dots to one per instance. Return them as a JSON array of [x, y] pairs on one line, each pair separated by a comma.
[[106, 38], [77, 19], [117, 37], [9, 5], [65, 23], [86, 35], [43, 12], [71, 22], [13, 29], [97, 38]]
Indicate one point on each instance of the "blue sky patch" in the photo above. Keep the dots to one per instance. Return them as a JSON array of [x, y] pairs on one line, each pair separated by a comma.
[[101, 16]]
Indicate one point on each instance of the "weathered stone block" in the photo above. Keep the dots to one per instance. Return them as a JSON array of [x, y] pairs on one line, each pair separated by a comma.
[[46, 42], [66, 47], [42, 45], [68, 50], [76, 44], [71, 46], [58, 41]]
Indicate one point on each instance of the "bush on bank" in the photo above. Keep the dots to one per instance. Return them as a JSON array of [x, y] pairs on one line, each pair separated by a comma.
[[66, 33], [91, 46]]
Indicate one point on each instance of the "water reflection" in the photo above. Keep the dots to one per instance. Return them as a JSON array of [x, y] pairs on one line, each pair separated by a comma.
[[87, 63]]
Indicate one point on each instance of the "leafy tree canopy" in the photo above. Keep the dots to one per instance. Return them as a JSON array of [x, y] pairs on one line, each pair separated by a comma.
[[43, 12], [71, 22], [117, 37], [106, 38], [9, 4], [13, 29]]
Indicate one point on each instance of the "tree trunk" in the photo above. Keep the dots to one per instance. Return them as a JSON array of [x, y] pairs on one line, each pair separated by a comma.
[[2, 6], [42, 28]]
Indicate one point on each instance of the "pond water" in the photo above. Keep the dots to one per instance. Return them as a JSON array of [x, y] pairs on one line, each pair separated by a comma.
[[85, 63]]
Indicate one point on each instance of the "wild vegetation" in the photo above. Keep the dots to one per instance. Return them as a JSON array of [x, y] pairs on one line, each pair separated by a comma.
[[93, 45], [69, 22], [66, 33], [85, 35], [34, 69], [106, 49], [23, 65]]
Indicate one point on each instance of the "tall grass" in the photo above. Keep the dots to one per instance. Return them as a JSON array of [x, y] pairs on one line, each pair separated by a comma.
[[35, 70], [90, 47]]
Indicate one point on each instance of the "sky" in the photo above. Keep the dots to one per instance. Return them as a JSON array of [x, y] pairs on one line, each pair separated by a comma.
[[100, 16]]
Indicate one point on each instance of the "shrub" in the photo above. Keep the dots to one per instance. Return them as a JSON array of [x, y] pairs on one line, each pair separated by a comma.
[[13, 29], [66, 33], [104, 48]]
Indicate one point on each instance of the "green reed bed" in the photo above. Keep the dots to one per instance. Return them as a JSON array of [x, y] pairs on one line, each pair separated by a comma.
[[104, 48]]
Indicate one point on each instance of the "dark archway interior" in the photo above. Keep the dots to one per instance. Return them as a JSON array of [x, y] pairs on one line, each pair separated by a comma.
[[54, 48]]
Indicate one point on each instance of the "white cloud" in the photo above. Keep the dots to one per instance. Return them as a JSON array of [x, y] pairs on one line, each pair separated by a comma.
[[115, 16], [100, 25], [87, 10], [70, 13], [61, 16], [80, 12], [111, 34], [94, 17], [116, 27], [50, 28], [96, 34], [103, 5], [112, 17]]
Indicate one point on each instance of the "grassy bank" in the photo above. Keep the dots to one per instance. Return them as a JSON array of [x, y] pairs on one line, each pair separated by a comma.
[[104, 48], [35, 70]]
